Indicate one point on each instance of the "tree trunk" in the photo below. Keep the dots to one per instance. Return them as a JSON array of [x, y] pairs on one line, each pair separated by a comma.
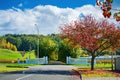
[[92, 62]]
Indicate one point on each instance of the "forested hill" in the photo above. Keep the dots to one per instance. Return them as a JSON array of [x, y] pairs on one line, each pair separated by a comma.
[[29, 42], [50, 45]]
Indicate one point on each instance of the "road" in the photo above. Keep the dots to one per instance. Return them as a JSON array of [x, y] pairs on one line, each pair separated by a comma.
[[44, 72]]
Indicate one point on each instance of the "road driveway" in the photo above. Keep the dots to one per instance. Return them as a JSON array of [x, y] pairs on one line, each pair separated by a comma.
[[44, 72]]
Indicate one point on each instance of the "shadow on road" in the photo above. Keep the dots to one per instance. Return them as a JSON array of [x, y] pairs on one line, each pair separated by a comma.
[[48, 72]]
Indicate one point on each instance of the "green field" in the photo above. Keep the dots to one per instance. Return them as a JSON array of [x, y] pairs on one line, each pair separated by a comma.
[[11, 55], [8, 55]]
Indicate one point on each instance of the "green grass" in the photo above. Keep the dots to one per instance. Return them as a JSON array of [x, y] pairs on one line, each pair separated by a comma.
[[15, 65], [14, 55], [6, 67], [30, 55], [9, 55], [103, 66], [97, 66]]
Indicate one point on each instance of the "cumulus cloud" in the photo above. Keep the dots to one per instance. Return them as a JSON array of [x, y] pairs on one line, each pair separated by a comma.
[[48, 18]]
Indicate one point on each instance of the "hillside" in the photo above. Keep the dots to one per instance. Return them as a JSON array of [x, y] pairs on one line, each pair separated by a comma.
[[9, 55], [14, 55]]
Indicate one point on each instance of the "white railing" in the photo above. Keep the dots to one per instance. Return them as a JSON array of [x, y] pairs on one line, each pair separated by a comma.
[[87, 60], [43, 60]]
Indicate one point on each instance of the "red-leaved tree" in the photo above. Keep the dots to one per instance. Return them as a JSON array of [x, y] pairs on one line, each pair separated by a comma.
[[92, 35]]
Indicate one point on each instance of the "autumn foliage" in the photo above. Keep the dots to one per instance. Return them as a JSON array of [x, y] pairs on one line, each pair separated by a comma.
[[106, 7], [7, 45], [92, 35]]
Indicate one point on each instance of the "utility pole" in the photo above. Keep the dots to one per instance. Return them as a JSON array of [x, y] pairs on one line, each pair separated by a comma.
[[37, 28]]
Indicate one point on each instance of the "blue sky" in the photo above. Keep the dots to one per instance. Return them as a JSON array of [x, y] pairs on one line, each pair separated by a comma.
[[20, 16], [6, 4]]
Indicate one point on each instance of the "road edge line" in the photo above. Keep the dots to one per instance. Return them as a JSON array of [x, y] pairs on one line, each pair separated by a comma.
[[24, 77]]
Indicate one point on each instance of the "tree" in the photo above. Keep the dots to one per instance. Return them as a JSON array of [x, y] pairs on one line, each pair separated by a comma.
[[14, 48], [8, 45], [47, 48], [14, 40], [77, 52], [93, 36], [106, 7], [65, 49], [3, 43]]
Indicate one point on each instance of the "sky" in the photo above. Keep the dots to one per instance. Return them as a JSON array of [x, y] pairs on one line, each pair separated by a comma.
[[26, 16]]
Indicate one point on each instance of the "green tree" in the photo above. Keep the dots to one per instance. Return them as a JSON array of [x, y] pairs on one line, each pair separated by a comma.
[[77, 52], [3, 43], [8, 46], [47, 47], [14, 48], [64, 50]]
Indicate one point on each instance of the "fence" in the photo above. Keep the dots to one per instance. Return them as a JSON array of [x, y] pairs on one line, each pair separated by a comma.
[[87, 60], [43, 60]]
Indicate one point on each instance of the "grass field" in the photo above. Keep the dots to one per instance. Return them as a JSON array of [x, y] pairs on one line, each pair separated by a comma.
[[9, 55], [14, 55]]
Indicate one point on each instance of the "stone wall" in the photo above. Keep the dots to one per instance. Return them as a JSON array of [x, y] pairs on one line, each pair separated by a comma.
[[117, 63]]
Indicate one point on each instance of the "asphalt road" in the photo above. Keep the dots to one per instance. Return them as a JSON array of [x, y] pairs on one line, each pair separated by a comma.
[[46, 72]]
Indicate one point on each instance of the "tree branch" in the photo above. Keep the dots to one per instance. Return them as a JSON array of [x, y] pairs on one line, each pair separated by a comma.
[[100, 46], [104, 49]]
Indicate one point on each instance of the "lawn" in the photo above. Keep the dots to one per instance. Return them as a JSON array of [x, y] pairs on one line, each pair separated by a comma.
[[97, 66], [101, 70], [14, 55], [9, 55], [6, 67]]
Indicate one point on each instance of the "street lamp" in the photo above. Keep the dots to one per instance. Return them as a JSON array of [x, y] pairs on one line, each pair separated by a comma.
[[37, 28]]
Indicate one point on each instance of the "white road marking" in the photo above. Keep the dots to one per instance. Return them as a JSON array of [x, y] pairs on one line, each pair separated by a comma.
[[24, 77]]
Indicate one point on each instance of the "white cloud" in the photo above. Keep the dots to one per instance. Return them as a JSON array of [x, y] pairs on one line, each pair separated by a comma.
[[48, 18], [20, 5]]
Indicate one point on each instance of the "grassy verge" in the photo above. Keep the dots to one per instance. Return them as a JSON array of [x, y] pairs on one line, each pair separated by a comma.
[[6, 67], [97, 66]]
